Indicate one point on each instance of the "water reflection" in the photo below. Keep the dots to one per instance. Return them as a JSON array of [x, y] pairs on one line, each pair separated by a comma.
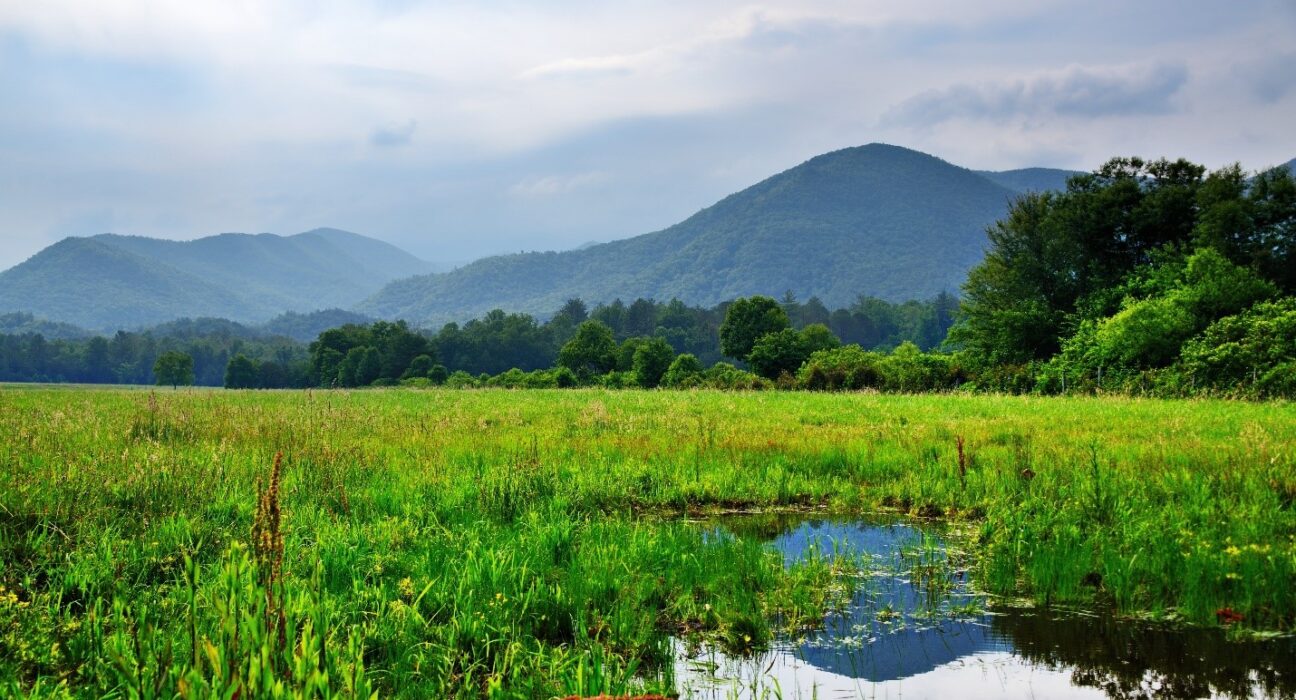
[[915, 628]]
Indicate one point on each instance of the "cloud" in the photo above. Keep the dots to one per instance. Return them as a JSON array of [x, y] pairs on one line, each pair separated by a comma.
[[1077, 91], [549, 185], [1271, 78], [393, 135]]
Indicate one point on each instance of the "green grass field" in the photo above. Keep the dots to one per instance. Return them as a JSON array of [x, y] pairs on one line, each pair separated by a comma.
[[527, 544]]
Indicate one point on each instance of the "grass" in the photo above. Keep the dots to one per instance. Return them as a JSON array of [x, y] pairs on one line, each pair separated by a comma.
[[520, 543]]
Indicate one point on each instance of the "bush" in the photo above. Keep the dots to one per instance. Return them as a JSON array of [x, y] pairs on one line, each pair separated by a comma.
[[847, 368], [1247, 349], [683, 370], [460, 379], [438, 374]]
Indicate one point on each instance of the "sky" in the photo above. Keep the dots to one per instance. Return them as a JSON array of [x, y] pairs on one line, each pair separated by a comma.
[[457, 129]]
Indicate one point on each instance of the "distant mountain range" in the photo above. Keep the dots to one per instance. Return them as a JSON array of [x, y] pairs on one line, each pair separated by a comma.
[[1030, 179], [110, 281], [876, 219]]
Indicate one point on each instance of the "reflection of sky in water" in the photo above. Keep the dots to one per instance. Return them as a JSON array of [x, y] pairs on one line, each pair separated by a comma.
[[912, 636], [901, 638]]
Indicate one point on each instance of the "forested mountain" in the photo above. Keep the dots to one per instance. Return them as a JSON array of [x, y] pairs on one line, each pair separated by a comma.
[[1030, 179], [110, 281], [879, 220], [26, 324]]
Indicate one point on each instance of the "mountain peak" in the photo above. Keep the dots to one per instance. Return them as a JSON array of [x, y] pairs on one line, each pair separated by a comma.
[[875, 219], [119, 281]]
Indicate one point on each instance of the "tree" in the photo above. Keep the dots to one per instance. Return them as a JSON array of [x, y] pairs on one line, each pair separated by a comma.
[[591, 351], [438, 374], [346, 369], [241, 373], [369, 369], [98, 366], [419, 367], [651, 360], [746, 321], [175, 368], [778, 353], [681, 370], [397, 346], [816, 337]]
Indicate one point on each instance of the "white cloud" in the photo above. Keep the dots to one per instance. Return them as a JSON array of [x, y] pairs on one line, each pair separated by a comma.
[[549, 185]]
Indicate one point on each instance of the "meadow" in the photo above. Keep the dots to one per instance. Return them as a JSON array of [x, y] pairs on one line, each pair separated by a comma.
[[497, 543]]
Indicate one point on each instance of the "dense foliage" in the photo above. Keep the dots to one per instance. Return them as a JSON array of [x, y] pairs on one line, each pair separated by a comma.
[[1142, 276]]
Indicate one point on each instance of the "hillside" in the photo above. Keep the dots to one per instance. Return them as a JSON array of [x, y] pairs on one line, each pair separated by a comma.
[[1030, 179], [876, 219], [111, 281]]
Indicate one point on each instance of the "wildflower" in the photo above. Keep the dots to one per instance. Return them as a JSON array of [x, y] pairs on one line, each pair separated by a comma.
[[406, 587], [1232, 550]]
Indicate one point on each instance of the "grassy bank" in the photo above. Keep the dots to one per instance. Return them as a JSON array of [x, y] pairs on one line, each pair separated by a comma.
[[469, 543]]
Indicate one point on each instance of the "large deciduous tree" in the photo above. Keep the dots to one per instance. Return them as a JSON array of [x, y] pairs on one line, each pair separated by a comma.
[[591, 351], [746, 321], [241, 373], [175, 368]]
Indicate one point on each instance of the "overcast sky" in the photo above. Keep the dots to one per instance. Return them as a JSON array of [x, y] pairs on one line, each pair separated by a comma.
[[457, 129]]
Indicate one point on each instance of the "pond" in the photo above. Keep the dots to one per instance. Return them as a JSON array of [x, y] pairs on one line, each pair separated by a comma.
[[915, 627]]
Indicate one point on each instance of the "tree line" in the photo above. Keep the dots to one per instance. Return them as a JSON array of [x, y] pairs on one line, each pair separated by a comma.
[[224, 353]]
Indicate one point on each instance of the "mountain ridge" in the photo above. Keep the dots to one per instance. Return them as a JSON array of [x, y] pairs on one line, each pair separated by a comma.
[[120, 281], [835, 226]]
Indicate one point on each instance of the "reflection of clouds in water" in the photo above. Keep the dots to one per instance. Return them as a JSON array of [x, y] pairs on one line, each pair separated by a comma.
[[888, 644], [781, 674]]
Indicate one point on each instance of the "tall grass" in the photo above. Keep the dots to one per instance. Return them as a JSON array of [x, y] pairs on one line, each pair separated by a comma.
[[521, 544]]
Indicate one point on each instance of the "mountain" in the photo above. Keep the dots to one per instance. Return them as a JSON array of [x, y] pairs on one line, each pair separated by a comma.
[[307, 327], [23, 324], [1030, 179], [110, 281], [875, 219]]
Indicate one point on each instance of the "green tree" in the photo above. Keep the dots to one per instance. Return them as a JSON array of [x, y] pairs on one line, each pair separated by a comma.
[[346, 369], [778, 353], [175, 368], [241, 373], [681, 370], [591, 351], [816, 337], [651, 360], [746, 321], [438, 374], [419, 367], [370, 367]]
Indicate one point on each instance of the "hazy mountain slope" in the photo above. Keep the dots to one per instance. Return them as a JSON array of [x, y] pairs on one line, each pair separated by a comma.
[[375, 257], [24, 323], [111, 281], [875, 219], [92, 284], [1030, 179], [318, 269], [306, 327]]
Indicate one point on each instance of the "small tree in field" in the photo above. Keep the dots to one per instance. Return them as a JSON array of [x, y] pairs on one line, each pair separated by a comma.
[[175, 368]]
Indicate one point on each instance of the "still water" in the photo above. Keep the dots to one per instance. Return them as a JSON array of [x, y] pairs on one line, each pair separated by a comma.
[[916, 628]]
